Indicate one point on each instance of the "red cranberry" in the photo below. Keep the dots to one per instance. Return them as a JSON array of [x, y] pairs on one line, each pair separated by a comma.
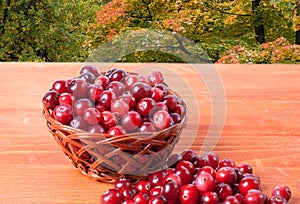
[[61, 86], [131, 121], [143, 186], [155, 77], [209, 197], [63, 113], [128, 193], [171, 191], [283, 191], [158, 199], [92, 116], [110, 71], [129, 99], [157, 94], [102, 81], [89, 68], [226, 175], [248, 183], [239, 197], [141, 198], [208, 159], [245, 168], [94, 92], [111, 196], [223, 190], [254, 196], [171, 102], [205, 182], [122, 183], [143, 78], [161, 119], [173, 177], [119, 107], [51, 99], [163, 87], [66, 98], [78, 88], [189, 194], [129, 81], [147, 127], [106, 98], [117, 75], [140, 90], [180, 110], [227, 162], [107, 119], [78, 123], [231, 200], [277, 199], [156, 179], [156, 190], [184, 174], [96, 129], [209, 170], [175, 117], [81, 105], [186, 164], [87, 77], [144, 106], [117, 87], [116, 130]]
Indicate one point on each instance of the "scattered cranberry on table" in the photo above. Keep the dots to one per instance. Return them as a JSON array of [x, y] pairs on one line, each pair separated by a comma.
[[213, 182]]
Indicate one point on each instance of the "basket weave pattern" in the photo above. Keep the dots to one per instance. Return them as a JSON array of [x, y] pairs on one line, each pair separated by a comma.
[[105, 158]]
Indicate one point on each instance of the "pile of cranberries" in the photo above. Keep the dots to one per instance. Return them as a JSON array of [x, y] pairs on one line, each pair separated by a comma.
[[196, 179], [115, 102]]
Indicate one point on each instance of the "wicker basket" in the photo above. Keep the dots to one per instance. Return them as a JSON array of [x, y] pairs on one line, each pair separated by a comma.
[[105, 158]]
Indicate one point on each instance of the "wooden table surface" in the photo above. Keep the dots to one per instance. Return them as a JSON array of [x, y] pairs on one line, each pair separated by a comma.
[[261, 128]]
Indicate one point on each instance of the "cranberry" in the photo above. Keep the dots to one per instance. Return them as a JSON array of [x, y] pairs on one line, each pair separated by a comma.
[[239, 175], [111, 196], [81, 105], [163, 87], [231, 200], [141, 198], [239, 197], [102, 81], [180, 110], [128, 193], [173, 177], [277, 199], [205, 182], [143, 79], [129, 99], [248, 183], [106, 98], [116, 130], [156, 179], [186, 164], [117, 87], [144, 106], [158, 199], [208, 159], [209, 197], [171, 102], [87, 77], [157, 94], [92, 116], [117, 75], [78, 87], [143, 186], [140, 90], [91, 69], [161, 119], [171, 191], [175, 117], [61, 86], [245, 168], [156, 190], [283, 191], [108, 119], [51, 99], [147, 127], [184, 174], [254, 196], [189, 194], [155, 77], [131, 121], [226, 175], [66, 98], [78, 123], [63, 113], [119, 107], [209, 170], [129, 81], [122, 183], [94, 92], [223, 190], [96, 129], [110, 71], [227, 162]]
